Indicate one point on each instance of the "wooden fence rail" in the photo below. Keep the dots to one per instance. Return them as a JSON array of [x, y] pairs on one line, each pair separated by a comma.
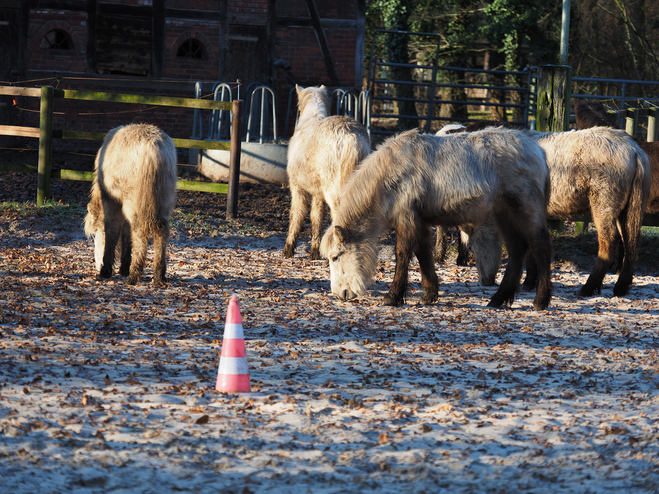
[[45, 133]]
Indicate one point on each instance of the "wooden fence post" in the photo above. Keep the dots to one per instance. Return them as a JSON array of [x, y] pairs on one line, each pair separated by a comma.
[[234, 163], [631, 121], [45, 144], [554, 88], [652, 125], [554, 94]]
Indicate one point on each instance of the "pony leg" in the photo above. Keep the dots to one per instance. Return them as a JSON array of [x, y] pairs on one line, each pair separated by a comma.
[[531, 280], [396, 295], [126, 250], [112, 225], [540, 253], [630, 236], [517, 246], [606, 238], [160, 239], [429, 280], [317, 214], [140, 243], [299, 206], [441, 243], [463, 248]]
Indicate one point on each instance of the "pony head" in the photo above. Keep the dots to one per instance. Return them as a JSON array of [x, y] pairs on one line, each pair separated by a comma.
[[94, 228], [313, 101], [352, 261]]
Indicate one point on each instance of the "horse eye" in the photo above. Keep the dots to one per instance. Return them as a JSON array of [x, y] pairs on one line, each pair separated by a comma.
[[335, 258]]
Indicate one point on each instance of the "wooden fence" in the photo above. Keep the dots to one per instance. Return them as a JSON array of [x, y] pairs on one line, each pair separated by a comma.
[[45, 133], [632, 117]]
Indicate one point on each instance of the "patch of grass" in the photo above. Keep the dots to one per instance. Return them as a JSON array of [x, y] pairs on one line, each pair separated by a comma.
[[53, 209]]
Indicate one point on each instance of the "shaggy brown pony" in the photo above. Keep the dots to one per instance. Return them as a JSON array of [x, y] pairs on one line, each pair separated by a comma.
[[322, 153], [414, 181], [132, 198], [603, 172]]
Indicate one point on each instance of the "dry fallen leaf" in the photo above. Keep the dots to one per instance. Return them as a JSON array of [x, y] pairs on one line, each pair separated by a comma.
[[202, 420], [383, 439]]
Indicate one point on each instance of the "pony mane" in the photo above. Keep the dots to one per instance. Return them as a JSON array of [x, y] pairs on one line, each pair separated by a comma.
[[364, 194]]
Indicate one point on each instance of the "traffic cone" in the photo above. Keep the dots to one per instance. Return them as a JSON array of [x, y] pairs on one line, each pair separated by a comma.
[[233, 374]]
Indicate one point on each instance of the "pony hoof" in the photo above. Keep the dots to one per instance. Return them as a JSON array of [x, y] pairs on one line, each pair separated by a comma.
[[314, 256], [498, 301], [429, 299], [132, 280], [288, 252], [589, 292], [620, 291], [392, 300], [105, 273], [160, 283]]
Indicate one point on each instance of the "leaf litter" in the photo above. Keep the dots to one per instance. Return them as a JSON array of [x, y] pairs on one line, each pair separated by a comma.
[[106, 387]]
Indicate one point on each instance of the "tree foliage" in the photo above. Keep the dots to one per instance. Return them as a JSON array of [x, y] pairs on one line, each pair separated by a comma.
[[608, 38]]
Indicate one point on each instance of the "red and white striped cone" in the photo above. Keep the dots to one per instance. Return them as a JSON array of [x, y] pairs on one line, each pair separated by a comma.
[[233, 374]]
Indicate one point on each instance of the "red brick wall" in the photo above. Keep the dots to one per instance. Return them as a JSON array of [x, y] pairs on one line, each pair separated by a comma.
[[41, 23], [176, 32], [296, 44]]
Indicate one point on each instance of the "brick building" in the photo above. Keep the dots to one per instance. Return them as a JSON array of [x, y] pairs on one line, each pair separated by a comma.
[[164, 46]]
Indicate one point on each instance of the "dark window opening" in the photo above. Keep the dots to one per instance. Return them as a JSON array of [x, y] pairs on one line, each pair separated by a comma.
[[57, 40], [191, 48], [123, 44]]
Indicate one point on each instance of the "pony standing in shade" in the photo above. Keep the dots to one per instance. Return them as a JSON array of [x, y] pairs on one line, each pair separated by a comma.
[[415, 181], [132, 198], [322, 153]]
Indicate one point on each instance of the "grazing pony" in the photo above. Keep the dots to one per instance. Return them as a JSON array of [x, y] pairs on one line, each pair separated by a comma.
[[322, 153], [414, 181], [603, 172], [132, 198]]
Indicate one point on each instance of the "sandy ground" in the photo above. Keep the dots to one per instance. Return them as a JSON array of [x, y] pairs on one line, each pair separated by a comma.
[[110, 388]]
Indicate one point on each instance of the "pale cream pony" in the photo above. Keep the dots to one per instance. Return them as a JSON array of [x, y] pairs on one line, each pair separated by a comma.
[[322, 153], [132, 198]]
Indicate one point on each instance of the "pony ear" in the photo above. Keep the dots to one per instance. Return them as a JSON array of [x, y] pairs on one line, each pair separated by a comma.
[[341, 233], [322, 86]]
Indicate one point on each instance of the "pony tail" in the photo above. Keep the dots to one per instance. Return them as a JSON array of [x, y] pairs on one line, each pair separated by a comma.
[[638, 196]]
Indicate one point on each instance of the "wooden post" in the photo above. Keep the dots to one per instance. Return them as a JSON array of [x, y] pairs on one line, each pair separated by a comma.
[[631, 121], [652, 125], [554, 94], [234, 159], [322, 41], [45, 144]]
